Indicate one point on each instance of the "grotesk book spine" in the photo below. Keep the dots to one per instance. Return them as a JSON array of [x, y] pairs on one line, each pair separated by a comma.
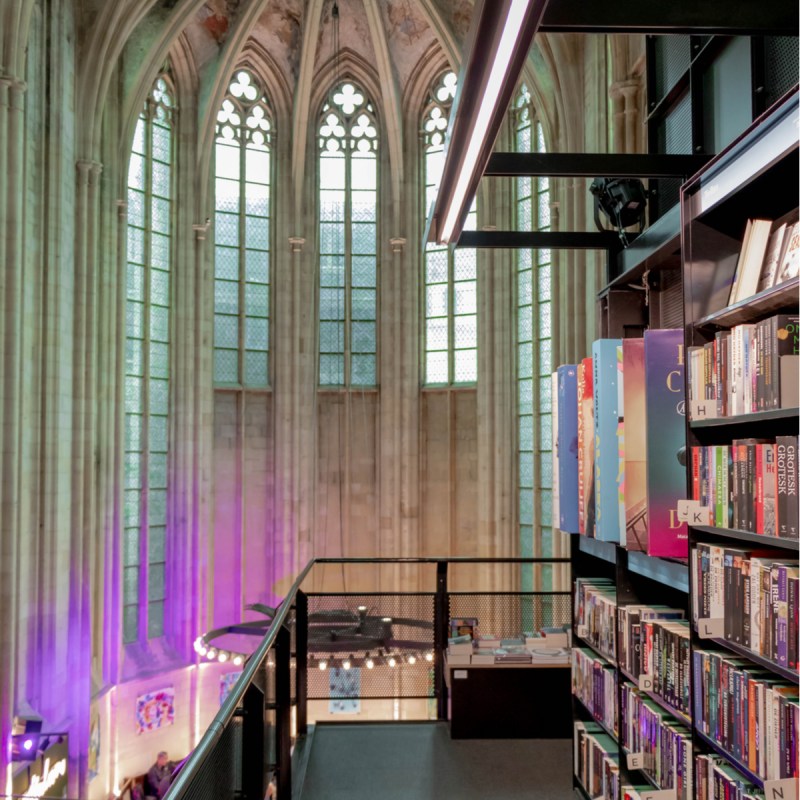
[[606, 461], [786, 447], [635, 494], [568, 448], [666, 473], [585, 448]]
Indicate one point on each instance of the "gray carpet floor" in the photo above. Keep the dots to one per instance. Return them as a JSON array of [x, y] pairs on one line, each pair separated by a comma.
[[421, 761]]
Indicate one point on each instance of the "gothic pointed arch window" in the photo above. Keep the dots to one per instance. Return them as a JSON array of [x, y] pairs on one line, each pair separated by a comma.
[[348, 139], [534, 347], [147, 365], [450, 280], [243, 169]]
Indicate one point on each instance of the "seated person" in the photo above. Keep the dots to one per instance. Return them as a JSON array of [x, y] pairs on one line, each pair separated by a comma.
[[158, 777]]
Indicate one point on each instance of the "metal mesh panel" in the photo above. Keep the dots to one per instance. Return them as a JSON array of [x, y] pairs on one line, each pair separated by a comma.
[[781, 66], [675, 130], [670, 300], [672, 57], [219, 777], [391, 626], [510, 615]]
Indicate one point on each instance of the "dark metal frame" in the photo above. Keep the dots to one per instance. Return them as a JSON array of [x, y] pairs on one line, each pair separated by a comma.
[[248, 700]]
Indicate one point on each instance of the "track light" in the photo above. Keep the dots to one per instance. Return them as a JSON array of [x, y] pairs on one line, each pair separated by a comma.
[[392, 661], [348, 662], [238, 660], [370, 663], [222, 656], [211, 653], [412, 659], [429, 656], [323, 664]]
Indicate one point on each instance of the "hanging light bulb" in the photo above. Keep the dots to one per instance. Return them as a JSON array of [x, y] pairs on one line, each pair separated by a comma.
[[370, 662], [238, 660], [323, 664], [222, 656], [429, 656], [392, 661], [348, 662], [412, 659], [211, 653]]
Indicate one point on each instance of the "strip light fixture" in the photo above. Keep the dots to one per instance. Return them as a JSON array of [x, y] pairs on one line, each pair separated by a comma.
[[497, 45]]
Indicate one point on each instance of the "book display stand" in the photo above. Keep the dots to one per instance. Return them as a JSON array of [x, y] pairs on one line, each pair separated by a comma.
[[684, 675]]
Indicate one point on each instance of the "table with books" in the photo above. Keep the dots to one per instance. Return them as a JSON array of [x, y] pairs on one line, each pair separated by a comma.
[[509, 688]]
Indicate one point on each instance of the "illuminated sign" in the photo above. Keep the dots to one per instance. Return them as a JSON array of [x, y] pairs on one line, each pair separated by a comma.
[[47, 776]]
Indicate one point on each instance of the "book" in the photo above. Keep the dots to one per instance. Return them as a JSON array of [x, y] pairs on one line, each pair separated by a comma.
[[606, 462], [665, 437], [786, 477], [567, 442], [772, 257], [739, 270], [554, 451], [463, 626], [635, 450], [790, 260], [585, 448], [751, 258]]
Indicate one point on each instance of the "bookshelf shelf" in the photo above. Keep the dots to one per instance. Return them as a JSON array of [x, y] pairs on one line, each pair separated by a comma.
[[607, 551], [746, 419], [784, 672], [596, 650], [659, 701], [646, 775], [778, 543], [753, 308], [580, 792], [666, 571], [720, 750]]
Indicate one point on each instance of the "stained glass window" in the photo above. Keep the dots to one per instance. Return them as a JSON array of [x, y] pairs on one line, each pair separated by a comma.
[[451, 320], [242, 235], [147, 368], [348, 246], [534, 356]]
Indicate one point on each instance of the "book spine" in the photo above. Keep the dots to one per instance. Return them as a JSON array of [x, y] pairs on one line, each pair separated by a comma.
[[568, 500], [750, 488], [759, 486], [770, 511], [787, 486], [792, 631], [782, 612]]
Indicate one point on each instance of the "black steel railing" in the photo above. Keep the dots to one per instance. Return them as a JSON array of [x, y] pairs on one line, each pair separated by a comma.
[[251, 734]]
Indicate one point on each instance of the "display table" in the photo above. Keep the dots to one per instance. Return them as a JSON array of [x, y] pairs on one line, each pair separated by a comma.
[[509, 701]]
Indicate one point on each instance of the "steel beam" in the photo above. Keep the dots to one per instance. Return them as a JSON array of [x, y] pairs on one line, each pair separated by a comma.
[[545, 240], [604, 165]]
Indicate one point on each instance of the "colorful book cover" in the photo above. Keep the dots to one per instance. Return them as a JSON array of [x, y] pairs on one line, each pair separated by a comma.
[[585, 448], [620, 448], [604, 357], [635, 444], [554, 453], [666, 434], [568, 448]]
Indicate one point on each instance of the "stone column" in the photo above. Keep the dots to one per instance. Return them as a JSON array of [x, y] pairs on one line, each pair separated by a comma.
[[12, 198]]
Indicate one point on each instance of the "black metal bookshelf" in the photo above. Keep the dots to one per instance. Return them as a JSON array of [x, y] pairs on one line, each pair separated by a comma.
[[679, 715], [745, 419], [720, 750], [778, 669], [776, 542]]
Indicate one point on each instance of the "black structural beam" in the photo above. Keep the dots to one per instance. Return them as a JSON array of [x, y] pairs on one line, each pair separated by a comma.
[[605, 165], [713, 17], [548, 240]]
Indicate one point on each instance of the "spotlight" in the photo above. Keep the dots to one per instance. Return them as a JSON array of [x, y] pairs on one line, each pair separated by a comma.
[[211, 653], [202, 650], [347, 663], [222, 657], [362, 609], [622, 200], [26, 736], [412, 659], [27, 745], [238, 660], [370, 663], [323, 664], [392, 661], [429, 656]]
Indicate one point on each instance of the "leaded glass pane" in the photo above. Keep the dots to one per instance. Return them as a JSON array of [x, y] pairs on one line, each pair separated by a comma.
[[525, 396], [544, 320], [227, 161], [465, 298], [159, 251], [545, 395], [160, 214], [363, 338], [226, 297], [544, 284], [525, 360], [331, 370], [331, 237], [256, 301], [130, 624], [525, 433], [257, 233], [465, 265], [332, 205], [135, 250], [331, 337], [524, 259], [363, 301], [524, 215], [226, 229], [466, 366], [545, 432], [130, 536], [364, 238], [331, 271], [466, 332], [156, 546], [545, 356], [157, 470], [159, 360], [130, 584], [136, 171], [226, 366], [135, 282], [132, 470], [364, 208], [525, 324], [255, 333], [134, 359], [157, 515], [139, 133], [155, 620], [256, 199], [255, 368], [437, 368], [226, 193], [525, 507], [136, 208], [159, 396], [437, 333], [363, 370], [546, 473], [162, 138], [159, 287], [134, 319], [332, 168], [526, 469], [331, 304], [436, 300], [162, 177], [159, 434], [436, 266], [546, 502], [133, 394], [226, 263], [159, 323], [226, 331], [257, 165], [363, 272], [524, 187], [544, 213], [256, 266], [133, 432]]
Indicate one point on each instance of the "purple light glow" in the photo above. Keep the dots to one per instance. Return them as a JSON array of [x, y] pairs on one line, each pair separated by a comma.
[[27, 744]]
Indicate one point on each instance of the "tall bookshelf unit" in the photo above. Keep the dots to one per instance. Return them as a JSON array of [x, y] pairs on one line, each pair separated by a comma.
[[677, 274]]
